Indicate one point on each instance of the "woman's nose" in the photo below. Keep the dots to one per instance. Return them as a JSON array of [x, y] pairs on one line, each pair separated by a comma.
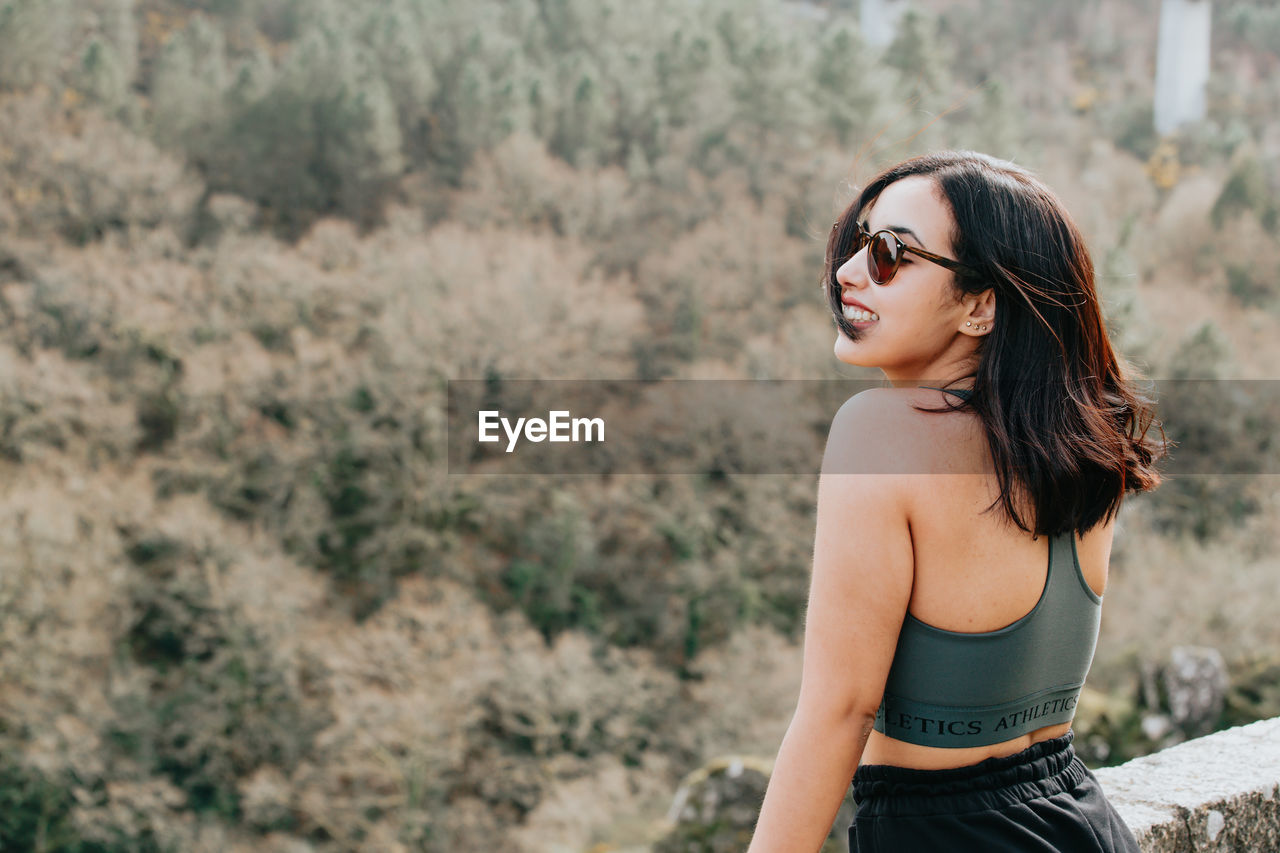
[[853, 272]]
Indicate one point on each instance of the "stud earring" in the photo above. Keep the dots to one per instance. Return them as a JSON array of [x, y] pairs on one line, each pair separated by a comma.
[[968, 323]]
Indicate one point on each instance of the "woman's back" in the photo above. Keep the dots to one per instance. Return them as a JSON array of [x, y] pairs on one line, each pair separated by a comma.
[[975, 571]]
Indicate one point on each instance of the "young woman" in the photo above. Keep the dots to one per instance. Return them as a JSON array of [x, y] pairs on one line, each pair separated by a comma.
[[964, 525]]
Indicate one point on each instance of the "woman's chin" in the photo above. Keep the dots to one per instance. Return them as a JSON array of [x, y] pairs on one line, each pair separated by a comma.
[[847, 350]]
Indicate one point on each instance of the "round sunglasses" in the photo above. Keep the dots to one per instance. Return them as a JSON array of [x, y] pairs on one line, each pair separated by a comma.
[[885, 252]]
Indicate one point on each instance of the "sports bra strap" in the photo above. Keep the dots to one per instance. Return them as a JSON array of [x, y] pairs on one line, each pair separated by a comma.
[[962, 393]]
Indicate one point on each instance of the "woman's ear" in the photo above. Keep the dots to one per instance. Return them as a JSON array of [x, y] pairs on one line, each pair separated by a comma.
[[981, 316]]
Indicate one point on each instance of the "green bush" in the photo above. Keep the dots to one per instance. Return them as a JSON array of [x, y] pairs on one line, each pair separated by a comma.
[[676, 569], [35, 814], [1247, 190], [322, 140], [1249, 287], [217, 705], [1256, 24], [102, 76], [1220, 431], [1131, 124]]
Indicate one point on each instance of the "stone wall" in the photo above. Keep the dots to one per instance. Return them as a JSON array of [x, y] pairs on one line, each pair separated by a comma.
[[1216, 793]]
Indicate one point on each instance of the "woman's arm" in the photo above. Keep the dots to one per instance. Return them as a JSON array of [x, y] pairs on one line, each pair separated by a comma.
[[861, 585]]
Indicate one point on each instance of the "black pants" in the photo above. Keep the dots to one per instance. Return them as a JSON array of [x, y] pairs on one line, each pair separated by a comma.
[[1041, 799]]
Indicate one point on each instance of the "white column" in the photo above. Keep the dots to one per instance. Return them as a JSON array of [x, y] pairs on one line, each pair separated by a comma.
[[879, 20], [1182, 63]]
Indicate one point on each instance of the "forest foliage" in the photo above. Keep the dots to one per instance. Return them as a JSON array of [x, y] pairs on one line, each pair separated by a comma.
[[245, 243]]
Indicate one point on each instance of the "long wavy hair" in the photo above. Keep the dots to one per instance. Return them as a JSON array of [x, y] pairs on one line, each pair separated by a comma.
[[1066, 424]]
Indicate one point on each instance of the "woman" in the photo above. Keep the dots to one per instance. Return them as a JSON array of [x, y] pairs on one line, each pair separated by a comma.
[[952, 617]]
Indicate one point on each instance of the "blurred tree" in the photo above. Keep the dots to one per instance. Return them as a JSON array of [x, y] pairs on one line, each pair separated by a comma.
[[682, 58], [581, 131], [482, 93], [916, 55], [995, 38], [1117, 283], [216, 700], [102, 76], [218, 8], [393, 34], [33, 40], [323, 139], [1246, 190], [843, 97], [187, 87], [1218, 431], [250, 81], [279, 20], [118, 23], [1129, 121], [988, 121], [1204, 354], [1257, 24], [770, 117]]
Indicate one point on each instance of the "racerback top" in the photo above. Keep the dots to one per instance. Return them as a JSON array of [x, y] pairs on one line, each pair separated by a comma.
[[958, 689]]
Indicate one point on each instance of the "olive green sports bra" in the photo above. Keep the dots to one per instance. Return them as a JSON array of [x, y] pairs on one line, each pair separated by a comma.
[[956, 689]]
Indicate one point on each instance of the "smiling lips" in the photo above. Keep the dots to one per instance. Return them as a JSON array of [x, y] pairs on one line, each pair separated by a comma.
[[856, 312]]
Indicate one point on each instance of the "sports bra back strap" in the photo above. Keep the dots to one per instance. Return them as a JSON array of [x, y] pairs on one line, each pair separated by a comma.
[[962, 393], [952, 689]]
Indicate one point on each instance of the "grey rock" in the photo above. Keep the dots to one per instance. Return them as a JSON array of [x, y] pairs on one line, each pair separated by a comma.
[[1195, 683], [1215, 793], [715, 809]]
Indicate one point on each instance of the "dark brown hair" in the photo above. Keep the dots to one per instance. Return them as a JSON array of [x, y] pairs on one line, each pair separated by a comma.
[[1066, 425]]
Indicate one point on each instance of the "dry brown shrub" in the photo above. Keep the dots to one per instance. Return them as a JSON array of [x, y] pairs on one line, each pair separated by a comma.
[[441, 710], [461, 302], [731, 275], [65, 595], [1248, 270], [60, 590], [289, 339], [740, 702], [614, 806], [1181, 238], [427, 304], [1108, 185], [50, 406], [80, 174], [520, 186], [758, 662], [798, 348], [1167, 590]]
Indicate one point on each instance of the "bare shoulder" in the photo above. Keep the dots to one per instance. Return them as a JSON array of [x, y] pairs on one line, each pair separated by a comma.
[[888, 407], [882, 430]]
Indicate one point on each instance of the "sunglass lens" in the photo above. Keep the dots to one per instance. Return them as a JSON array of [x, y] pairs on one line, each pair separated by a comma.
[[882, 258]]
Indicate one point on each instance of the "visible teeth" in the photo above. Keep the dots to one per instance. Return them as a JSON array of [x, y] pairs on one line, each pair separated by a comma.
[[858, 315]]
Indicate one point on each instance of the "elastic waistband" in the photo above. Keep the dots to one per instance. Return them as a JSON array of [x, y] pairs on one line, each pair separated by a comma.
[[1042, 769]]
